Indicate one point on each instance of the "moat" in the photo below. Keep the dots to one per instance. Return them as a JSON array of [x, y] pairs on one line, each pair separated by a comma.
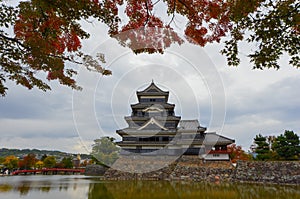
[[80, 186]]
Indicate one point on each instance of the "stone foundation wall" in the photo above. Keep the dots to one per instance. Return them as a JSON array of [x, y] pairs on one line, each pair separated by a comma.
[[281, 172], [184, 168], [194, 169], [141, 167]]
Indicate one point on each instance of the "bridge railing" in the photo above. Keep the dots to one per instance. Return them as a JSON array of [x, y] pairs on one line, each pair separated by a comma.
[[53, 170]]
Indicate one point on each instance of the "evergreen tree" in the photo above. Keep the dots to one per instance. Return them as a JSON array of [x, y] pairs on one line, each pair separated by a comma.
[[50, 162], [262, 149], [67, 163], [287, 146], [44, 157]]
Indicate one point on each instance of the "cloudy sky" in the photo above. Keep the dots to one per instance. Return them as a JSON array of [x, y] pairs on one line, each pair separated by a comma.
[[235, 102]]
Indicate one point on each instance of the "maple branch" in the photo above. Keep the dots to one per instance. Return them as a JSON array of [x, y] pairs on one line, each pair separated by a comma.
[[156, 2], [148, 15], [14, 40], [66, 59], [173, 15]]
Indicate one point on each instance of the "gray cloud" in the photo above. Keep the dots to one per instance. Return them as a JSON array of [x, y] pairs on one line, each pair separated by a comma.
[[278, 101]]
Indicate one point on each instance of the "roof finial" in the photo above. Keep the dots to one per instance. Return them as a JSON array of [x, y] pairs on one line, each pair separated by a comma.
[[152, 81]]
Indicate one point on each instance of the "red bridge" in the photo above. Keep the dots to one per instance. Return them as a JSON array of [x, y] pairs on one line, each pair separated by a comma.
[[52, 171]]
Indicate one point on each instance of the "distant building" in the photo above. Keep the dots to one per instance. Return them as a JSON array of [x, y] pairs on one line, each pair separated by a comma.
[[154, 129], [77, 161]]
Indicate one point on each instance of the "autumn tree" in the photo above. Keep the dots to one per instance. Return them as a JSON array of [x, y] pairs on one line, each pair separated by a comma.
[[105, 151], [47, 34], [287, 146], [28, 161], [11, 162], [46, 37], [39, 164], [237, 153], [49, 162]]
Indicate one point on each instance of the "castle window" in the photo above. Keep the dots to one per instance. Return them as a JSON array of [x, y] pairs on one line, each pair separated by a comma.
[[129, 138], [139, 113], [171, 113], [160, 100], [144, 100]]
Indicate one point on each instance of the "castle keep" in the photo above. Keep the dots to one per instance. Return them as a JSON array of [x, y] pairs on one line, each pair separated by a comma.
[[154, 129]]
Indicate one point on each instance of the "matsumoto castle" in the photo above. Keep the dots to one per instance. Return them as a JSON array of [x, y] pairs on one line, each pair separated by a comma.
[[154, 129]]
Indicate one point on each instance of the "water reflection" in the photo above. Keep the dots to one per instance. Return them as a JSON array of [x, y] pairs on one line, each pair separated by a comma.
[[99, 190], [159, 189], [39, 184], [133, 189], [92, 188]]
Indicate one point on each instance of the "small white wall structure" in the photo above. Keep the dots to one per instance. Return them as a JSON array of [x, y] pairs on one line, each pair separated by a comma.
[[216, 156]]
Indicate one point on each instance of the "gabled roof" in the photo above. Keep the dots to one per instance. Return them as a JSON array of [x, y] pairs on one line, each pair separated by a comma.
[[153, 108], [152, 89], [213, 138], [190, 125], [152, 121]]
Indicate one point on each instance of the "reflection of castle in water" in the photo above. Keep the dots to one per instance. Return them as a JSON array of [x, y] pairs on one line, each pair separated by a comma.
[[154, 129]]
